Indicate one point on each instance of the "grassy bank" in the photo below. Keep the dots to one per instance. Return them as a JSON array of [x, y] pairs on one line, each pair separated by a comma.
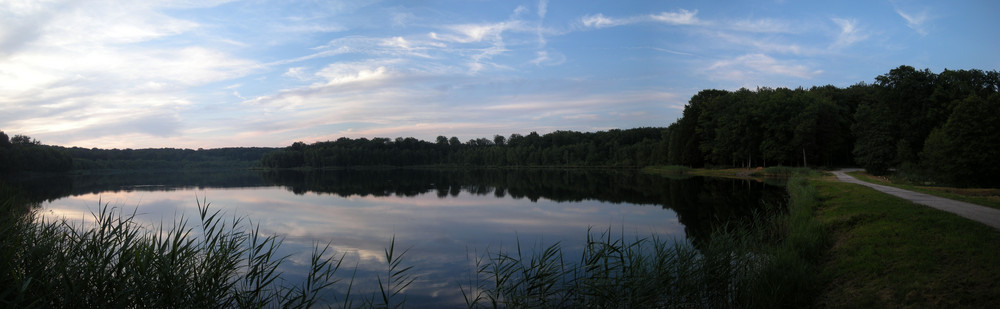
[[773, 171], [891, 253], [989, 197]]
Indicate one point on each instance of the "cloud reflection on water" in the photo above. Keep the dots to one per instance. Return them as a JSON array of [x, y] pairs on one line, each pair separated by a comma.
[[439, 232], [444, 218]]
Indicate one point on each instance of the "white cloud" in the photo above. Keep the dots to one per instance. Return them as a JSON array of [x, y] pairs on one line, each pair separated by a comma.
[[488, 33], [470, 33], [850, 33], [93, 70], [766, 25], [520, 10], [111, 23], [915, 21], [343, 73], [679, 17], [296, 73], [599, 21], [767, 44], [543, 57], [752, 66]]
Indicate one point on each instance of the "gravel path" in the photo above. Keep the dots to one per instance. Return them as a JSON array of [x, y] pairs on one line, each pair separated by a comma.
[[985, 215]]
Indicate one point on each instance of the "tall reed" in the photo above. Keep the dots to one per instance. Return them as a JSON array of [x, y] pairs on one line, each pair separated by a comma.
[[768, 262], [117, 263]]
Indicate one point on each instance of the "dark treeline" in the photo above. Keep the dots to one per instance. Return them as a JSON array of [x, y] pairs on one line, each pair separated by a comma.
[[165, 158], [630, 148], [21, 153], [943, 127]]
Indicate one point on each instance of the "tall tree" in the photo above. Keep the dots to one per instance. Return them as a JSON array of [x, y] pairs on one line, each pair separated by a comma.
[[874, 147], [965, 151]]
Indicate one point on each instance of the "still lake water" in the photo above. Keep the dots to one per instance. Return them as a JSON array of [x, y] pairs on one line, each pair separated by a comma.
[[443, 217]]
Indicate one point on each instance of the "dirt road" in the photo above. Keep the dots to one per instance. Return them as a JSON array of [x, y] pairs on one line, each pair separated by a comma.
[[985, 215]]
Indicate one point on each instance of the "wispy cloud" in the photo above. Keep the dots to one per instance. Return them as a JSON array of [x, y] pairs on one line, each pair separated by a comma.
[[544, 57], [766, 25], [849, 34], [915, 21], [599, 21], [490, 33], [679, 17], [765, 44], [340, 73], [752, 66]]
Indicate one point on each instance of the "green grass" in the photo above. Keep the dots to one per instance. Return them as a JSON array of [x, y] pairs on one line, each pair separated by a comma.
[[983, 196], [668, 169], [785, 171], [891, 253], [773, 171]]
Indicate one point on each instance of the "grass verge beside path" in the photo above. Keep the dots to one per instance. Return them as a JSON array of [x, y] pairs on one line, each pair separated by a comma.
[[891, 253], [989, 197], [738, 172]]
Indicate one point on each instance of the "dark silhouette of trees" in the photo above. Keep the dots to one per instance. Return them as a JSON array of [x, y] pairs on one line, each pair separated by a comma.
[[632, 148], [881, 126], [763, 127], [23, 154], [966, 149], [875, 146], [165, 158]]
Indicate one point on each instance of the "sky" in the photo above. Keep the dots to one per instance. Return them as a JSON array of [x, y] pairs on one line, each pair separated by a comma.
[[219, 73]]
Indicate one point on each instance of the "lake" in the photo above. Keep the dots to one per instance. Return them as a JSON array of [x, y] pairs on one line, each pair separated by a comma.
[[445, 218]]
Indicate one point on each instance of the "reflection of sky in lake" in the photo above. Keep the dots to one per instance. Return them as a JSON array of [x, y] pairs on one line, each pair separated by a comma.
[[439, 232]]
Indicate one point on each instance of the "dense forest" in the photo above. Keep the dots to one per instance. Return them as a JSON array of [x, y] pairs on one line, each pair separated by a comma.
[[25, 154], [939, 127], [165, 158], [628, 148], [21, 153]]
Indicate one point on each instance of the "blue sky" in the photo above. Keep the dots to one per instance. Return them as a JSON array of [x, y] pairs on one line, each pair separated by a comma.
[[195, 73]]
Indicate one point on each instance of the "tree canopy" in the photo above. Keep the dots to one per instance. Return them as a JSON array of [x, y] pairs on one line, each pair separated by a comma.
[[23, 154], [941, 126], [631, 147]]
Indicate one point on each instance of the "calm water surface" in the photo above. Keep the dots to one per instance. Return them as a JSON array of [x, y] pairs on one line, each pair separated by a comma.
[[444, 218]]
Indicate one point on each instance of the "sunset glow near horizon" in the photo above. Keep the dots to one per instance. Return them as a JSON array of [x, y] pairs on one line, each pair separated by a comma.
[[192, 74]]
